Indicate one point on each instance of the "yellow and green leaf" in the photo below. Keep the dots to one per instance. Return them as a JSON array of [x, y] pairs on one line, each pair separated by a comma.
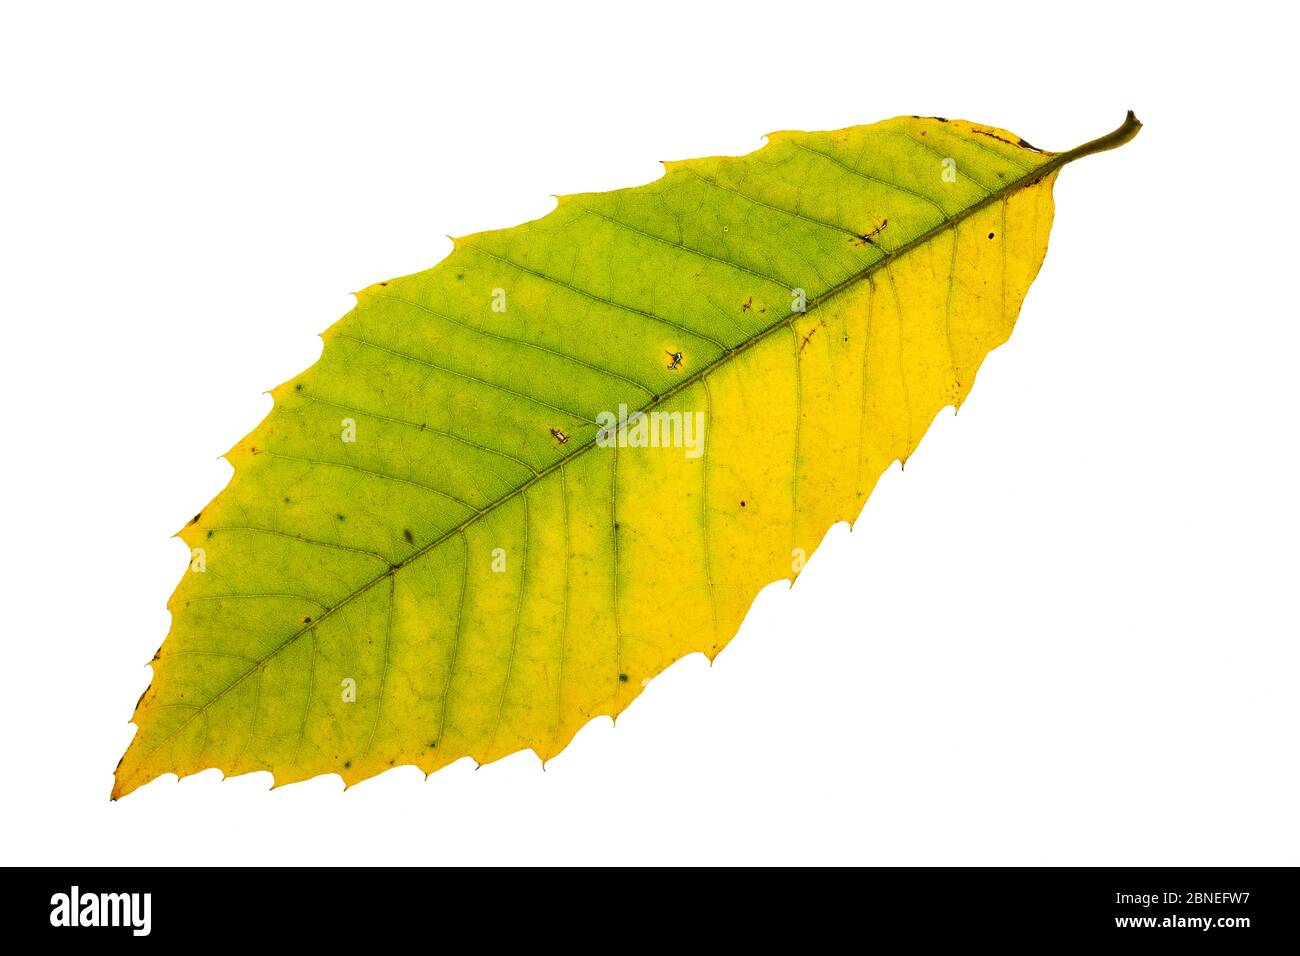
[[436, 546]]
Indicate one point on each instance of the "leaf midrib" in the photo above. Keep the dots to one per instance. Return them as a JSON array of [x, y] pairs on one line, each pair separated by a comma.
[[1122, 134]]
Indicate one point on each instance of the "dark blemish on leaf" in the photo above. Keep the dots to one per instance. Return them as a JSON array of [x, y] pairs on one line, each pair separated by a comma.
[[747, 304], [942, 119], [431, 745], [297, 387], [209, 534], [990, 235], [410, 538], [811, 332], [306, 620], [868, 237], [286, 501], [342, 517], [676, 359], [347, 764], [1002, 139], [460, 275], [559, 436], [622, 678], [383, 283], [742, 504], [195, 519]]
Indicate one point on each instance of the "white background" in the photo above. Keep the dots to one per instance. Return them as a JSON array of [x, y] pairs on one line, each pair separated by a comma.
[[1067, 634]]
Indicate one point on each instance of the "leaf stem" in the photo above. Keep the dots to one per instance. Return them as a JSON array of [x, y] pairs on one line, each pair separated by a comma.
[[1112, 140]]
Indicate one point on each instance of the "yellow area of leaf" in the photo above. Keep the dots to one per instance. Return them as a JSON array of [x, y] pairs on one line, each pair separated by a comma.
[[436, 546]]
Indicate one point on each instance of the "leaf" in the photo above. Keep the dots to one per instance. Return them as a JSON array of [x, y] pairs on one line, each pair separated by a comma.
[[431, 548]]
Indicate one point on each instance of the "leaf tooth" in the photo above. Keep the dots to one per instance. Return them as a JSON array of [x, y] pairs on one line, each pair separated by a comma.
[[375, 287], [334, 329], [283, 389], [783, 135]]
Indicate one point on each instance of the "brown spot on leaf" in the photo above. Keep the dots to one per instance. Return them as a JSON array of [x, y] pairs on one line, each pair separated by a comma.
[[1023, 144], [869, 236], [811, 332]]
